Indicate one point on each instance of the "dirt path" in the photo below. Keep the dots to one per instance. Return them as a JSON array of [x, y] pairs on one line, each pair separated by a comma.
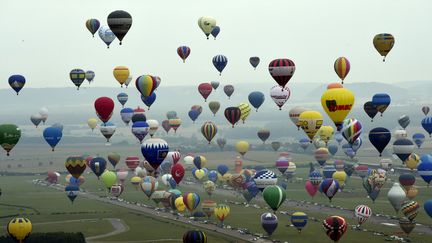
[[118, 225]]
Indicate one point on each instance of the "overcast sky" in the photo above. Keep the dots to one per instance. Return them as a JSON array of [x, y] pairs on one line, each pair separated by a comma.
[[43, 40]]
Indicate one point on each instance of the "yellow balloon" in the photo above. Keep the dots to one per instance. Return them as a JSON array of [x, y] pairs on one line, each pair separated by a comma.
[[121, 74], [206, 24], [383, 43], [411, 192], [412, 161], [19, 228], [325, 133], [337, 103], [222, 211], [179, 204], [310, 122], [220, 178], [199, 174], [245, 110], [227, 177], [340, 176], [92, 123], [242, 147], [136, 181]]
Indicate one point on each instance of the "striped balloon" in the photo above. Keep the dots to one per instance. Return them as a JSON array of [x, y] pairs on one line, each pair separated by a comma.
[[92, 25], [321, 155], [222, 211], [209, 130], [299, 220], [191, 200], [119, 22], [145, 84], [183, 52], [175, 123], [404, 121], [410, 209], [351, 129], [77, 76], [383, 43], [220, 62], [329, 187], [194, 236], [274, 196], [232, 114], [427, 124], [342, 67], [335, 227], [403, 147], [245, 110], [282, 70], [362, 213], [148, 185]]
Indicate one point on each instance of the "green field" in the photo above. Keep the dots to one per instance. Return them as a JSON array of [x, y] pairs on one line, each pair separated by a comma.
[[53, 206]]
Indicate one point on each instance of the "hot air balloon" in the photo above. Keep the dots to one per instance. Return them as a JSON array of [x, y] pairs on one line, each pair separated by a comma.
[[194, 236], [228, 90], [299, 220], [19, 229], [149, 185], [325, 133], [104, 107], [362, 213], [410, 209], [294, 114], [36, 119], [154, 151], [269, 222], [232, 114], [242, 147], [304, 143], [98, 165], [193, 115], [43, 112], [280, 95], [89, 76], [214, 107], [209, 130], [206, 24], [342, 67], [177, 172], [183, 52], [412, 161], [153, 126], [220, 62], [149, 100], [72, 191], [379, 138], [126, 115], [274, 196], [119, 22], [108, 178], [77, 77], [265, 178], [52, 136], [329, 187], [396, 196], [140, 130], [332, 148], [383, 43], [276, 145], [92, 25], [406, 225], [221, 212], [340, 176], [199, 161], [221, 142], [214, 84], [335, 227], [244, 110], [145, 84], [256, 99], [208, 207], [191, 200], [281, 70], [17, 82], [321, 155], [351, 130], [425, 110], [424, 169], [263, 134], [106, 35], [205, 90], [9, 136], [107, 129], [404, 121], [166, 126], [310, 122], [403, 148], [427, 124], [381, 102], [418, 139], [132, 162], [175, 123], [122, 98], [428, 207], [254, 61], [337, 103], [215, 31]]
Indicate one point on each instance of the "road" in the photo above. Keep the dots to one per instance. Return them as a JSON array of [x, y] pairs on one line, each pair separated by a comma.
[[118, 225]]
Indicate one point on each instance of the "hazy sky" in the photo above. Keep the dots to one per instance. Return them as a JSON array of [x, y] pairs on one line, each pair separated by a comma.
[[45, 39]]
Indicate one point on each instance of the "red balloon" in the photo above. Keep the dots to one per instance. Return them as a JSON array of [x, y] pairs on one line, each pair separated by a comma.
[[335, 227], [132, 162], [205, 89], [177, 172], [104, 108], [232, 114], [281, 70]]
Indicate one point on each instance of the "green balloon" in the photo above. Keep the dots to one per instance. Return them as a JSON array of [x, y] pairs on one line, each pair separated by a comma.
[[214, 107], [108, 178], [9, 136], [274, 196]]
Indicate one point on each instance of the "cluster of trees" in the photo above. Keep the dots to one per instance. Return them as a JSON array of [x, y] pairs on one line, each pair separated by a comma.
[[54, 237]]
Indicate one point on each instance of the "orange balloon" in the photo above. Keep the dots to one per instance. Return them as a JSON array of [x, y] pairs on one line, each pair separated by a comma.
[[334, 86]]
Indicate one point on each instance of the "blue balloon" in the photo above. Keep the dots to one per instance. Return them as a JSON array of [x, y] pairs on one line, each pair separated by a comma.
[[379, 138], [52, 136], [338, 137], [126, 115], [424, 169], [172, 183], [252, 188], [74, 181], [332, 148], [148, 101], [220, 62], [381, 102], [140, 129], [347, 149], [193, 115], [428, 207], [17, 82], [154, 151], [374, 194], [418, 139], [357, 144], [212, 175], [427, 124], [256, 99], [328, 171], [122, 98], [215, 31], [98, 165], [222, 169], [72, 192]]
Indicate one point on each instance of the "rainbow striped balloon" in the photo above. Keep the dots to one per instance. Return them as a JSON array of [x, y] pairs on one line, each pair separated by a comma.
[[342, 67], [146, 84], [351, 129]]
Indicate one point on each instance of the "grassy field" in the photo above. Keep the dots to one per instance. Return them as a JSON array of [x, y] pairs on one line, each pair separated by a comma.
[[18, 190]]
